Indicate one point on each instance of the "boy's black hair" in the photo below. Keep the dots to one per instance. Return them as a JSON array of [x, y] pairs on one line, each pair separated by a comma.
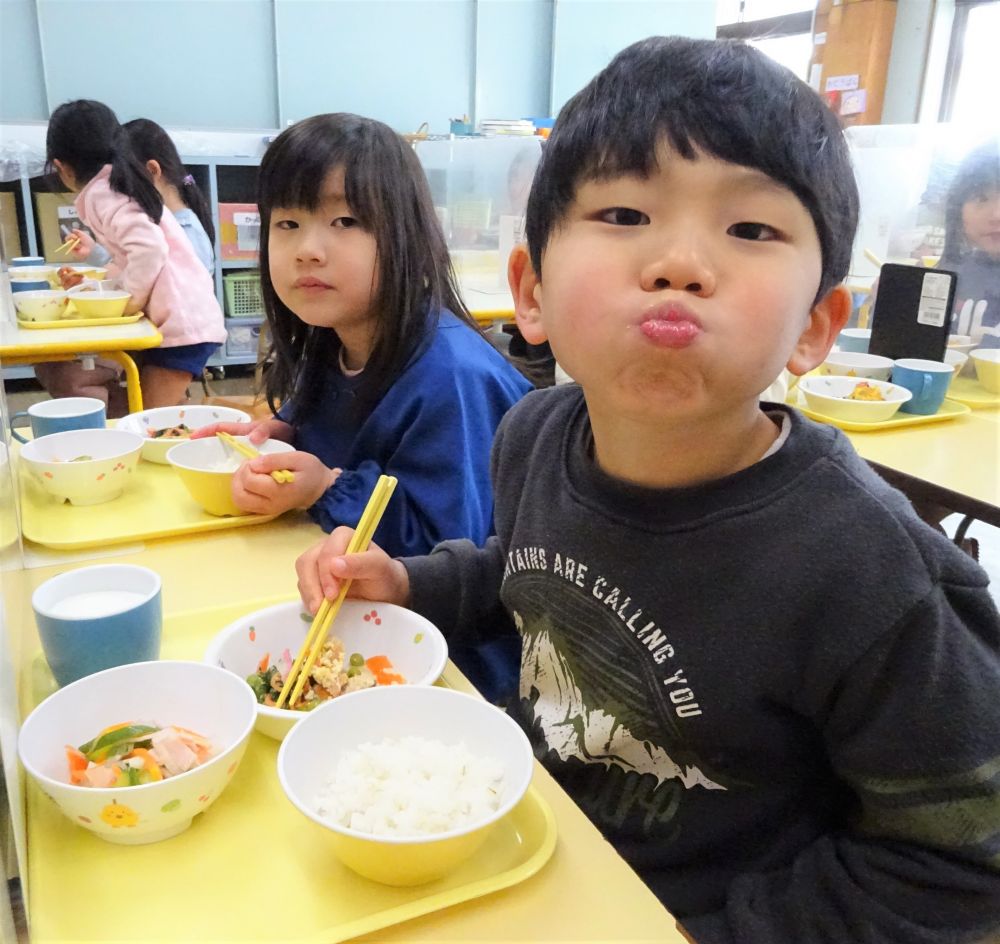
[[150, 142], [387, 191], [86, 135], [717, 96], [979, 173]]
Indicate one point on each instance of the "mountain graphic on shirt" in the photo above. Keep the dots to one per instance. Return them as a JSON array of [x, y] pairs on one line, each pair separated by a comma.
[[592, 735]]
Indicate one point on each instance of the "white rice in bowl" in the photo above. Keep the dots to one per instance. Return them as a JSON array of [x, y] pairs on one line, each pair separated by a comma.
[[411, 786]]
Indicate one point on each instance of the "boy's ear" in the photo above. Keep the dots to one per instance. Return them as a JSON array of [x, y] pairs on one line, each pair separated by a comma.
[[525, 286], [826, 319]]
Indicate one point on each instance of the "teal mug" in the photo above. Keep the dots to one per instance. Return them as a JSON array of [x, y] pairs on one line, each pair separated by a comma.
[[854, 340], [60, 415], [928, 381]]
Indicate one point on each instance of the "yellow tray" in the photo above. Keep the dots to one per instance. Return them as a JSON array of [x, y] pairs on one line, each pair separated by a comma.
[[972, 393], [155, 505], [254, 868], [949, 410], [79, 322]]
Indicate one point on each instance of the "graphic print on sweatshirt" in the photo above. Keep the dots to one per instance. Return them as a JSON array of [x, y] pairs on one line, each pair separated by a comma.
[[602, 691]]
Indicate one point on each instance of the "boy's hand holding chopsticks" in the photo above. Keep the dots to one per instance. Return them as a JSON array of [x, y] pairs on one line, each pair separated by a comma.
[[323, 569]]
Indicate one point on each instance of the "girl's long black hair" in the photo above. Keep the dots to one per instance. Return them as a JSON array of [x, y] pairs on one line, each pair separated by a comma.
[[151, 143], [387, 192], [978, 173], [86, 135]]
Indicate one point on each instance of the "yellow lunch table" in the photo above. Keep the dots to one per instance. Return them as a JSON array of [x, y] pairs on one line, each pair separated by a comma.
[[955, 463], [232, 875], [20, 345]]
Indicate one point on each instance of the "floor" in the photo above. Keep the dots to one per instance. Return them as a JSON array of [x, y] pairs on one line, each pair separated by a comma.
[[239, 381]]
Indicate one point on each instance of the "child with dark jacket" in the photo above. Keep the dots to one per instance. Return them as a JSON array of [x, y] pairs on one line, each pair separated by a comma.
[[770, 685]]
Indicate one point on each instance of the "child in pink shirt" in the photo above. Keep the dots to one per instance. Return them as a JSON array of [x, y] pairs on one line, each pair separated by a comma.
[[150, 255]]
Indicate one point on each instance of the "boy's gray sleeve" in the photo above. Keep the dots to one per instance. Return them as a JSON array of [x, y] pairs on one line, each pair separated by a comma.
[[914, 733], [457, 587]]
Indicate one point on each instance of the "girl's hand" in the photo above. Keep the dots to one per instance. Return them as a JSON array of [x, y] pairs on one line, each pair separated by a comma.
[[374, 574], [84, 246], [258, 431], [255, 490]]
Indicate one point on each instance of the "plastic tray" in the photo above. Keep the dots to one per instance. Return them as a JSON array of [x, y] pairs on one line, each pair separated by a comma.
[[155, 505], [253, 868], [973, 394], [950, 410], [78, 322]]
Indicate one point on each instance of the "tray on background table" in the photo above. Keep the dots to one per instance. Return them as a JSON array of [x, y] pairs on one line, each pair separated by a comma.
[[973, 394], [74, 322], [252, 867], [950, 410], [155, 505]]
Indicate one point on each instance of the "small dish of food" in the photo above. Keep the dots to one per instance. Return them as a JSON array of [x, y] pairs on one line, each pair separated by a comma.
[[369, 645], [43, 305], [853, 400], [164, 426]]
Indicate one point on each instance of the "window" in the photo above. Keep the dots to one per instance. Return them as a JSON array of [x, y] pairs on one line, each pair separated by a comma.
[[972, 72], [781, 29]]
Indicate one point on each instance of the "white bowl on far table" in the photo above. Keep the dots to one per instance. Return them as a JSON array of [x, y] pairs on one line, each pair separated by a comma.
[[856, 364], [155, 449], [828, 395], [85, 466], [41, 305]]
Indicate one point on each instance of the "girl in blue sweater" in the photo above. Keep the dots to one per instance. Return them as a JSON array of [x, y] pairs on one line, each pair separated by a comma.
[[377, 364]]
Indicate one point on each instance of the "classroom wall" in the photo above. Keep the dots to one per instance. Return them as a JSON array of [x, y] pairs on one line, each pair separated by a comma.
[[263, 63]]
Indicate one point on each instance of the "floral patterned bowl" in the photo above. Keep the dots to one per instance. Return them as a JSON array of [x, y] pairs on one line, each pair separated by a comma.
[[154, 449], [192, 695], [414, 645]]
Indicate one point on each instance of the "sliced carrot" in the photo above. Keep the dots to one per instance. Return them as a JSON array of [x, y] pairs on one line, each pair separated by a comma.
[[262, 666], [384, 671], [77, 764], [152, 767]]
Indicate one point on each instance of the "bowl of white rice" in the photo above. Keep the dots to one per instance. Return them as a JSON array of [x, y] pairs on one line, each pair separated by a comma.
[[406, 781]]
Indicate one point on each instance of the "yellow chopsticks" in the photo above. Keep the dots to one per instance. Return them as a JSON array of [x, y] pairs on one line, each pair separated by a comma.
[[327, 611], [279, 475], [69, 245]]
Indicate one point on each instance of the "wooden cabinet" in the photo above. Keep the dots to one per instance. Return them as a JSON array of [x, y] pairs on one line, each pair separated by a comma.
[[852, 40]]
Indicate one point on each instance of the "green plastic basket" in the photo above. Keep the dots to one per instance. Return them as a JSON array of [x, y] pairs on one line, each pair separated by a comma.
[[243, 298]]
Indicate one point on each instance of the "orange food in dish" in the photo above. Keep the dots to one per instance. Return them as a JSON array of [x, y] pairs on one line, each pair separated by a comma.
[[865, 391]]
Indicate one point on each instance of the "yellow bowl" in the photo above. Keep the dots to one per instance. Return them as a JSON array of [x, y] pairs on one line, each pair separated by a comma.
[[100, 304], [987, 362], [310, 752], [206, 468]]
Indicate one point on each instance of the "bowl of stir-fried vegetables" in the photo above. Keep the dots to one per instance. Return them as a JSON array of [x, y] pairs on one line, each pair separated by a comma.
[[369, 645], [165, 426], [133, 753]]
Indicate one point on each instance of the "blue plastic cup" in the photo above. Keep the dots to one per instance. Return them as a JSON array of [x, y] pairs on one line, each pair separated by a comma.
[[60, 415], [928, 381], [26, 261], [29, 285], [95, 618]]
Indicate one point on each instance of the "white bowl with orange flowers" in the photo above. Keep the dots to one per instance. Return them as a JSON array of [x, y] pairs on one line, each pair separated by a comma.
[[90, 749]]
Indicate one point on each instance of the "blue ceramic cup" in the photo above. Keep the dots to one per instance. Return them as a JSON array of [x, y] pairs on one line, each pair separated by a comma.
[[927, 380], [61, 415], [98, 617], [26, 261], [854, 340]]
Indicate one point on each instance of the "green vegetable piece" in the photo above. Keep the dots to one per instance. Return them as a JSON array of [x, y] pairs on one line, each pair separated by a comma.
[[357, 660], [259, 686], [83, 459], [306, 618], [115, 742], [419, 637], [133, 777], [352, 671]]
